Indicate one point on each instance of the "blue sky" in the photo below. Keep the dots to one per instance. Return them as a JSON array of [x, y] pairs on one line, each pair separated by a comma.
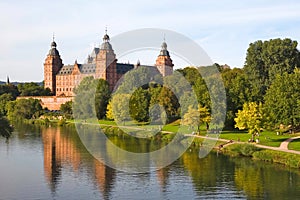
[[223, 29]]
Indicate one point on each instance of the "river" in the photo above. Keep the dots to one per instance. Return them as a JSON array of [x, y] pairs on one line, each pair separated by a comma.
[[52, 163]]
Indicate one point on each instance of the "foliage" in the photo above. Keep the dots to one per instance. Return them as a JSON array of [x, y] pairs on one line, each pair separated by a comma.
[[67, 109], [102, 97], [120, 107], [282, 104], [9, 89], [139, 105], [243, 149], [109, 111], [91, 98], [265, 60], [24, 109], [237, 92], [33, 89], [196, 117], [5, 129], [249, 118], [288, 159], [4, 99]]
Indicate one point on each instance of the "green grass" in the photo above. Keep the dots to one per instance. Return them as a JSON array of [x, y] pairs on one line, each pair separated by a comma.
[[107, 122], [268, 138], [294, 145]]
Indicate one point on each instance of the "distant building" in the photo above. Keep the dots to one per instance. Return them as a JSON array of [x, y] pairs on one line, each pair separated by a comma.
[[101, 63]]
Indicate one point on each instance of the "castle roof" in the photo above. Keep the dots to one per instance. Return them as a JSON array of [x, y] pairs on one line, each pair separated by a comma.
[[90, 68], [53, 51]]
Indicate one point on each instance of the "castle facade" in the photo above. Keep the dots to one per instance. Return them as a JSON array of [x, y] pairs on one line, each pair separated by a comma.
[[101, 63]]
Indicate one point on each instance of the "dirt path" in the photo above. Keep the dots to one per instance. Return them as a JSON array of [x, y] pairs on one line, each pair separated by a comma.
[[285, 144]]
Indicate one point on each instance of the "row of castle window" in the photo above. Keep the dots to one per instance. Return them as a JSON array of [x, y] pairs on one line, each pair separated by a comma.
[[64, 89]]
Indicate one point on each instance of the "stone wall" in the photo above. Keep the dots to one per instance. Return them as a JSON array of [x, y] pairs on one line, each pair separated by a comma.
[[50, 102]]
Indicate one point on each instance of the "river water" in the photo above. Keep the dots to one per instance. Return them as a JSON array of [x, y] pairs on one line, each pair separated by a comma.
[[52, 163]]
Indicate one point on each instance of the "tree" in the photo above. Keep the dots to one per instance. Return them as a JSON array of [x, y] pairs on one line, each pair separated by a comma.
[[282, 104], [237, 93], [9, 89], [33, 89], [169, 101], [102, 97], [196, 117], [67, 109], [109, 111], [4, 99], [24, 109], [250, 118], [267, 59], [120, 107], [5, 129], [139, 105]]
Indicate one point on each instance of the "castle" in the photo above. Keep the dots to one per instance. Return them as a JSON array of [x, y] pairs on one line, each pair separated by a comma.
[[101, 63]]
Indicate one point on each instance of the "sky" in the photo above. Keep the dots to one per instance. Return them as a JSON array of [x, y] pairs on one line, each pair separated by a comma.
[[223, 28]]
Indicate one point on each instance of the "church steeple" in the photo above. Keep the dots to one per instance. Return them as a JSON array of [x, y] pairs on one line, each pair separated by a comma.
[[164, 62], [7, 81]]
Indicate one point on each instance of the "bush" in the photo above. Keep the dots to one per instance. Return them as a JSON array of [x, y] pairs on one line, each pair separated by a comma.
[[243, 149], [288, 159]]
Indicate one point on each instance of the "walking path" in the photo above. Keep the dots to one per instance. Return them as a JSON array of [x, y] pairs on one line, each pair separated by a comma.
[[283, 147], [285, 144]]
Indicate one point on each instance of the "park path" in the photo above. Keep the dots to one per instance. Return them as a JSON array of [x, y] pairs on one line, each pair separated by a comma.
[[229, 142], [285, 144]]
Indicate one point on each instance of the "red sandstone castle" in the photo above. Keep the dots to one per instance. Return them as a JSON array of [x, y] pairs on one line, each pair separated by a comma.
[[101, 63]]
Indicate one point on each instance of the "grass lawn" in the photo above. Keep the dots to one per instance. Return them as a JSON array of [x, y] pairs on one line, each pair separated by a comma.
[[268, 138], [294, 145]]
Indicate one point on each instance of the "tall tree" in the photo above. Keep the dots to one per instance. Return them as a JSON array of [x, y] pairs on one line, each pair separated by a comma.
[[102, 97], [282, 103], [139, 105], [267, 59]]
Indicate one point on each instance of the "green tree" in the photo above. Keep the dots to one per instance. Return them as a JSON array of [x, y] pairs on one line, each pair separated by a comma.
[[120, 107], [267, 59], [4, 99], [9, 89], [84, 101], [67, 109], [24, 109], [169, 101], [237, 93], [139, 105], [33, 89], [102, 97], [250, 118], [196, 117], [282, 105], [6, 129]]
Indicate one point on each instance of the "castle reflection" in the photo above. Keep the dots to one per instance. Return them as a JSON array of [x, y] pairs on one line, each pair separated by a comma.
[[63, 152]]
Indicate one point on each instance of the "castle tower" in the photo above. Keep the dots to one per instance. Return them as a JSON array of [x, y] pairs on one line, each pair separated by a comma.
[[106, 60], [164, 62], [53, 63]]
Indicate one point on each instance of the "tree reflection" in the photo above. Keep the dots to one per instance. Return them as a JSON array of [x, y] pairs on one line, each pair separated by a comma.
[[5, 128]]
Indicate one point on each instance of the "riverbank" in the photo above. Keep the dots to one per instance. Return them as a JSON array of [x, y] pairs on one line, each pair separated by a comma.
[[229, 143]]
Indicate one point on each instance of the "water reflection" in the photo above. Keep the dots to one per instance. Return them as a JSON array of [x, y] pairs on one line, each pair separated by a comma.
[[52, 163], [63, 151]]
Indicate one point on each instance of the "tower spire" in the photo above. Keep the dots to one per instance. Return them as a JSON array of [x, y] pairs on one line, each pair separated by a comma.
[[53, 37], [7, 80]]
